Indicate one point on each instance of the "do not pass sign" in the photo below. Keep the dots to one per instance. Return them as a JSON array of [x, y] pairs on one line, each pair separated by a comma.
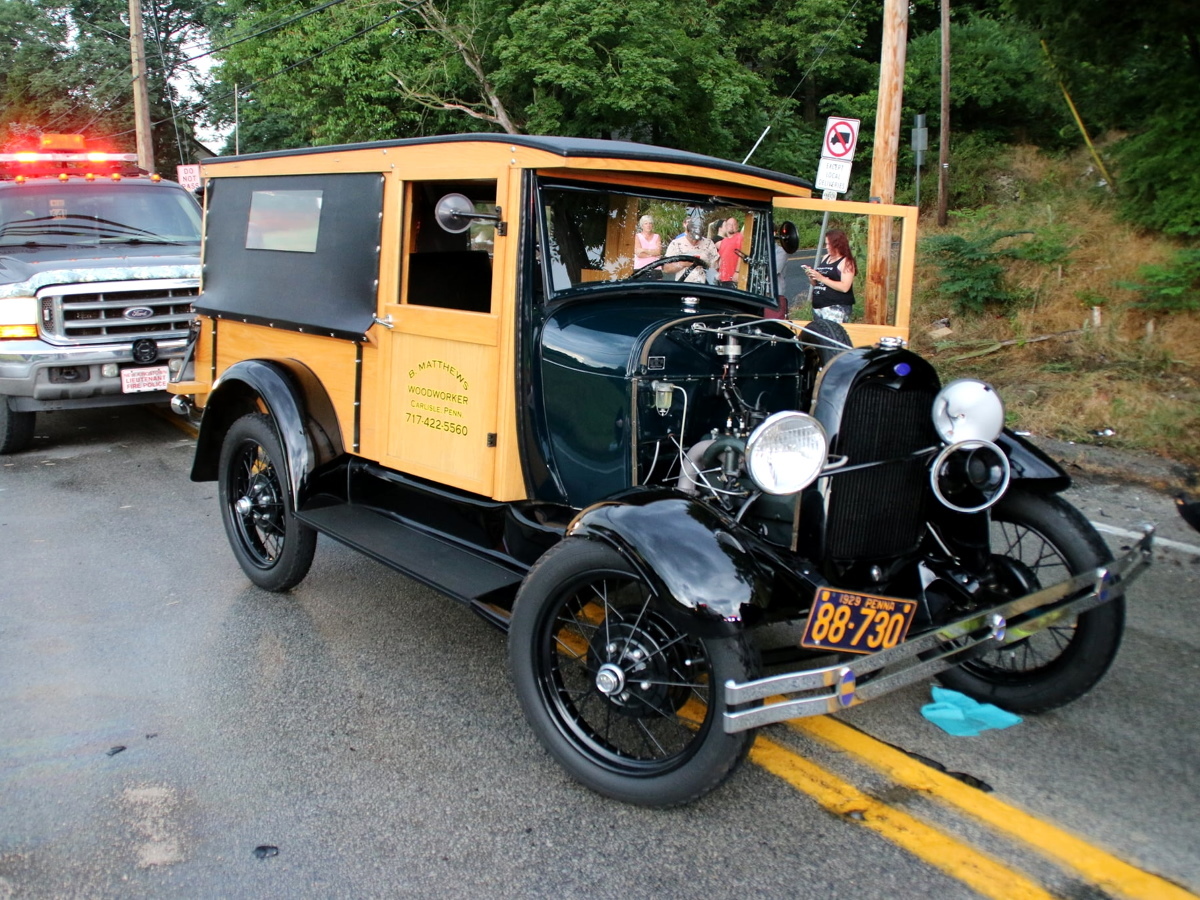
[[841, 137]]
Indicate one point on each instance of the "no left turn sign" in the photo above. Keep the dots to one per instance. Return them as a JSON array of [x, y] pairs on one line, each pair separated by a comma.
[[841, 137]]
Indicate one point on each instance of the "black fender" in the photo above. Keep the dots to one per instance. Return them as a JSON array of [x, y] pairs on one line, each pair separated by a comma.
[[697, 558], [1031, 464], [298, 407]]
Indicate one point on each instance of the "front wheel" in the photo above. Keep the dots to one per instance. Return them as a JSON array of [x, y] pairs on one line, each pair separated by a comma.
[[273, 548], [627, 703], [16, 428], [1039, 540]]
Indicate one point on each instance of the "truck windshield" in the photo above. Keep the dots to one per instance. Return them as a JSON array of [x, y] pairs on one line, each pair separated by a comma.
[[73, 214], [597, 236]]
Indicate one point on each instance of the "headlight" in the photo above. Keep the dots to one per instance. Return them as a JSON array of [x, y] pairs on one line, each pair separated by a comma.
[[786, 452], [968, 410]]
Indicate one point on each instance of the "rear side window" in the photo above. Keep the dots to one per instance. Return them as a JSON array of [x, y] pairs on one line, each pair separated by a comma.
[[284, 220], [294, 251]]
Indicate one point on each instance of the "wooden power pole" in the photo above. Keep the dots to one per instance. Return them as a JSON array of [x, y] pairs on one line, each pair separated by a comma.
[[944, 125], [883, 161], [141, 96]]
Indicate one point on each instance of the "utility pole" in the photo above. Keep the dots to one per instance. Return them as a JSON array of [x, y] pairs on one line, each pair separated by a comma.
[[141, 96], [883, 161], [944, 127]]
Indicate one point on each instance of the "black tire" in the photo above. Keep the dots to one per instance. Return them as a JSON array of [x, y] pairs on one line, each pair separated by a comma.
[[16, 428], [829, 338], [583, 616], [272, 547], [1040, 540]]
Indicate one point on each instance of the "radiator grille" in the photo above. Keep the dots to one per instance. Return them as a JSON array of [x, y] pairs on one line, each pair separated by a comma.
[[96, 313], [880, 511]]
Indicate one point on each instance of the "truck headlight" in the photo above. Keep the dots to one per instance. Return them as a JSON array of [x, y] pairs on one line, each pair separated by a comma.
[[18, 317], [968, 410], [786, 452]]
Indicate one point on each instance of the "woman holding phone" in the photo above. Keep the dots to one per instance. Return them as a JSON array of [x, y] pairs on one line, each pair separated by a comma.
[[833, 280]]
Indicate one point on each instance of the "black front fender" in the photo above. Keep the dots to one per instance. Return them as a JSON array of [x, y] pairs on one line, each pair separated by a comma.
[[700, 560], [1030, 463], [240, 390]]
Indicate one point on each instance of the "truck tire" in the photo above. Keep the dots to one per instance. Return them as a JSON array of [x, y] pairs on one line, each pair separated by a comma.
[[16, 428]]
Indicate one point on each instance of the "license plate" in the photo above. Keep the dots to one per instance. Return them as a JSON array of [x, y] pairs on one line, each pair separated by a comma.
[[857, 623], [144, 378]]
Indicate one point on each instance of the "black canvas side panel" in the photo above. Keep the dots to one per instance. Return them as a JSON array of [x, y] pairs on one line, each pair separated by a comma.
[[329, 291]]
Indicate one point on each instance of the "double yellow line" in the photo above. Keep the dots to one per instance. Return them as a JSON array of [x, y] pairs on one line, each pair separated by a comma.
[[975, 869]]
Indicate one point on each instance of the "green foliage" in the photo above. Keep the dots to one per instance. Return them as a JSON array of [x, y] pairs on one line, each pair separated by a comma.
[[971, 268], [1159, 174], [1170, 288], [1001, 86]]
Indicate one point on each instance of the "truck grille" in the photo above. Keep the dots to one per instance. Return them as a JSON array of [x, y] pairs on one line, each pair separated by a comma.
[[117, 311], [880, 512]]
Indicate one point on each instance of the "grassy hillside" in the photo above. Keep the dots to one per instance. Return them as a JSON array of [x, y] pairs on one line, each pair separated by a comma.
[[1074, 351]]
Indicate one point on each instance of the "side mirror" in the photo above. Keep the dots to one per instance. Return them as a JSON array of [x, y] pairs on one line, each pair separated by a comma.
[[789, 238], [456, 212]]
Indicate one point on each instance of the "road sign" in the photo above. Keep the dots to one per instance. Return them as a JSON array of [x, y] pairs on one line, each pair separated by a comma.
[[829, 195], [833, 175], [189, 176], [841, 137]]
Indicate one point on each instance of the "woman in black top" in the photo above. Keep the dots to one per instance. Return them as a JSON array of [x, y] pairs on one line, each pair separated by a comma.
[[833, 280]]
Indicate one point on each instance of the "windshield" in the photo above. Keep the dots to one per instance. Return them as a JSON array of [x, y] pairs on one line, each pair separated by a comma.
[[72, 214], [597, 236]]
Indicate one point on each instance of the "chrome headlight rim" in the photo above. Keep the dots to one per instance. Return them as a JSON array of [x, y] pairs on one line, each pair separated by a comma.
[[802, 466], [967, 446], [968, 409]]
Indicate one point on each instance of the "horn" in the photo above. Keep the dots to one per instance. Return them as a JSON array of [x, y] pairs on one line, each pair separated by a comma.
[[970, 476]]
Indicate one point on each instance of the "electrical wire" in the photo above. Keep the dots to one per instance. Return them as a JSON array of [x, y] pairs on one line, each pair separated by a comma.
[[803, 78], [308, 59], [125, 87]]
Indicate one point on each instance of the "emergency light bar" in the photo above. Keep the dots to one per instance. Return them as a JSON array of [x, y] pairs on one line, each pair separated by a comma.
[[35, 157]]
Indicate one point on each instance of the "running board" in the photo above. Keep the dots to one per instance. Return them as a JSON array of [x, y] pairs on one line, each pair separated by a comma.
[[449, 567]]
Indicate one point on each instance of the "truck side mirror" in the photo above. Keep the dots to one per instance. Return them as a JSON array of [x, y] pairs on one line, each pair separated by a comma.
[[789, 238], [455, 212]]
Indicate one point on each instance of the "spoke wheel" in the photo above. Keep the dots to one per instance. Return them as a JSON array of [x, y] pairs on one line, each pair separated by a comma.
[[274, 549], [626, 702], [1038, 541]]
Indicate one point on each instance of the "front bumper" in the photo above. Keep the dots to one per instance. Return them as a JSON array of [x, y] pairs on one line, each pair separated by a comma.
[[31, 373], [835, 688]]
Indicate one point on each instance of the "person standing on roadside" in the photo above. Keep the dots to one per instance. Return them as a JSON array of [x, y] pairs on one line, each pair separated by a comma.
[[647, 245], [692, 243], [833, 280], [730, 250]]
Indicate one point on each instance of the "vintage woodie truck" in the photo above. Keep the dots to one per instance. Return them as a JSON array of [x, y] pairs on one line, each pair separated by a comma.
[[691, 518]]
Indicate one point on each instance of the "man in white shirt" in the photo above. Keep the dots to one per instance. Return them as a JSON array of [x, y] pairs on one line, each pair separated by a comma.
[[692, 243]]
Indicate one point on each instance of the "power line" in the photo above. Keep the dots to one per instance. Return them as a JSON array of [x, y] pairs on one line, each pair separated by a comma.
[[117, 95], [302, 62]]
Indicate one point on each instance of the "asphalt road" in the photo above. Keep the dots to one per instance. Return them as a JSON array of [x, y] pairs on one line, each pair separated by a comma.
[[168, 730]]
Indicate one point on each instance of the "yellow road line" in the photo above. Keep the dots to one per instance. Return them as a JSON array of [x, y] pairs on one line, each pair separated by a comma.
[[975, 869], [1095, 865]]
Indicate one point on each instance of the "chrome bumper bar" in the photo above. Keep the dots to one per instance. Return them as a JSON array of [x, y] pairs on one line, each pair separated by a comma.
[[835, 688]]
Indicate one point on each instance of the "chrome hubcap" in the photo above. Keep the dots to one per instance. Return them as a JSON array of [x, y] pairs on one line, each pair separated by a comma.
[[610, 680]]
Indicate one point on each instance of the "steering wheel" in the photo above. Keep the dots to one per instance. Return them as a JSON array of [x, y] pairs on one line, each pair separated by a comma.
[[694, 260]]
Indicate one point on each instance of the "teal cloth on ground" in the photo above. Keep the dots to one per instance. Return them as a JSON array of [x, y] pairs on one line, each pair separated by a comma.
[[959, 715]]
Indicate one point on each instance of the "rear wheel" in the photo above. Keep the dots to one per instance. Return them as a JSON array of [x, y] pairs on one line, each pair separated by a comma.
[[829, 338], [16, 428], [274, 549], [1040, 540], [627, 703]]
